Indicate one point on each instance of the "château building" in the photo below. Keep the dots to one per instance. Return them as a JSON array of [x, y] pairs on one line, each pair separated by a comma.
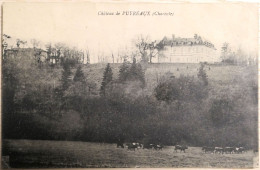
[[26, 54], [187, 50]]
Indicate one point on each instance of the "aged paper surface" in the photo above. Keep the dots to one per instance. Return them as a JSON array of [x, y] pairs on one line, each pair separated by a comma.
[[129, 85]]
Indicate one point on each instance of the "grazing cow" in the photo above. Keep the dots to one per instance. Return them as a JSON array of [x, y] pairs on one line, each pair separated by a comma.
[[139, 146], [208, 149], [229, 150], [239, 149], [181, 148], [148, 146], [130, 146], [242, 149], [119, 144], [218, 150], [158, 147]]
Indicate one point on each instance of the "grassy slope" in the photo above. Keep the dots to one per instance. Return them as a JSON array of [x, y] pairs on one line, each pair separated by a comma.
[[220, 75]]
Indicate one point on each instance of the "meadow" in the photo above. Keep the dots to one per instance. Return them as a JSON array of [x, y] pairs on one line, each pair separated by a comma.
[[68, 154]]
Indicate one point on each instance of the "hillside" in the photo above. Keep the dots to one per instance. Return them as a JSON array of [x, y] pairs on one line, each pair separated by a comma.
[[166, 110], [222, 75]]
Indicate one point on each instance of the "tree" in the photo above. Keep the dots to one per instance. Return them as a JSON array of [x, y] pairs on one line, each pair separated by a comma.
[[220, 112], [202, 75], [79, 86], [19, 42], [107, 78], [4, 43], [79, 75], [88, 59], [136, 72], [66, 75], [160, 47], [227, 56], [142, 46], [123, 71], [168, 91], [153, 50], [35, 43], [147, 48]]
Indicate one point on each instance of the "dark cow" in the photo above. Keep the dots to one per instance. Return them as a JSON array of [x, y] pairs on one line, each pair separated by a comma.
[[120, 144], [180, 147], [218, 150], [229, 150], [132, 146], [148, 146], [208, 149], [158, 147]]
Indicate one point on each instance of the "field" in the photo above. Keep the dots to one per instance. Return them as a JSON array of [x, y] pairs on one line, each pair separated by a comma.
[[61, 154]]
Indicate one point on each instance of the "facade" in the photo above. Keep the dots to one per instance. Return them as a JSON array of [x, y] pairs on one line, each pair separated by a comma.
[[26, 53], [187, 50]]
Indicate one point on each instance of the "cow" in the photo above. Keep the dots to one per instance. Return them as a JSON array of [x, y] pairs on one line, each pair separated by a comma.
[[139, 145], [148, 146], [131, 146], [242, 149], [208, 149], [239, 149], [158, 147], [119, 144], [180, 147], [218, 150], [229, 150]]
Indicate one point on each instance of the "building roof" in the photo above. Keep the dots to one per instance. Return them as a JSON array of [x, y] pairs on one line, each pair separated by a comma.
[[178, 41], [25, 49]]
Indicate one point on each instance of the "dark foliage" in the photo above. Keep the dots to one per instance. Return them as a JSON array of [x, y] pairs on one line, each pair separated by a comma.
[[180, 89], [79, 75], [107, 78], [66, 76], [221, 112], [182, 109], [132, 73], [136, 72], [202, 75], [123, 71]]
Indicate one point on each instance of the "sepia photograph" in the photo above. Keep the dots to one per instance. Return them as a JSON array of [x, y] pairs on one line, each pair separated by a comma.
[[122, 84]]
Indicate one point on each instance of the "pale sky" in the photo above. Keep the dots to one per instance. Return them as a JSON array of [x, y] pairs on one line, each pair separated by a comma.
[[80, 25]]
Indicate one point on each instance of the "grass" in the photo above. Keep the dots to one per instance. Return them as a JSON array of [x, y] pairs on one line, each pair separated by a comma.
[[218, 75], [65, 154], [222, 74]]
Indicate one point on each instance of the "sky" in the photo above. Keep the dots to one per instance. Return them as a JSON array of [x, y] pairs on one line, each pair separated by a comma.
[[78, 23]]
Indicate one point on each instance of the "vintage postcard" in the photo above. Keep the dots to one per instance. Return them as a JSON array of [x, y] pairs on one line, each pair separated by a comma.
[[129, 84]]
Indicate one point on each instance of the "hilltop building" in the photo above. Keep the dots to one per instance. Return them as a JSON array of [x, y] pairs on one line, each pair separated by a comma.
[[187, 50], [26, 53]]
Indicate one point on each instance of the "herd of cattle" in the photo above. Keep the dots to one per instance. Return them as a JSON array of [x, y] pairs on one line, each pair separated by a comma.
[[223, 150], [182, 148], [133, 146]]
